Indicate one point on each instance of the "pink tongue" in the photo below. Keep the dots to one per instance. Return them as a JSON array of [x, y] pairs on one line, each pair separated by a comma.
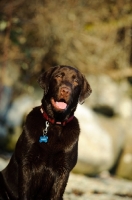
[[61, 105]]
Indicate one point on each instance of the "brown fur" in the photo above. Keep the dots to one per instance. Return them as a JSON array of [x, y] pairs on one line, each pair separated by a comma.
[[40, 171]]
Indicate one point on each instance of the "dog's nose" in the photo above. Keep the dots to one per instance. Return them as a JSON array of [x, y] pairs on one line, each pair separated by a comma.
[[65, 91]]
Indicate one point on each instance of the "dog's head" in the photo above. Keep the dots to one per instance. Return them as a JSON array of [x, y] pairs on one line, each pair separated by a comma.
[[64, 86]]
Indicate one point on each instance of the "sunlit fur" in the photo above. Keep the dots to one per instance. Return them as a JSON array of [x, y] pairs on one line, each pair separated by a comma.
[[40, 171]]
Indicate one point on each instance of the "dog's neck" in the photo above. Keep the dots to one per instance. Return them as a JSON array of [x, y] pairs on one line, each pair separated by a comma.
[[56, 120]]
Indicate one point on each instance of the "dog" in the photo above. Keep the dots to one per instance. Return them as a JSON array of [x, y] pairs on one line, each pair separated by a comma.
[[47, 149]]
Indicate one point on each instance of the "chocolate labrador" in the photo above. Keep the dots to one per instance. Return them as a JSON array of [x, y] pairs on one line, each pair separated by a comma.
[[46, 150]]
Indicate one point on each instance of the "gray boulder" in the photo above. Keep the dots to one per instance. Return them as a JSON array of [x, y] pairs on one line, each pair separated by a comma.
[[124, 167], [100, 142]]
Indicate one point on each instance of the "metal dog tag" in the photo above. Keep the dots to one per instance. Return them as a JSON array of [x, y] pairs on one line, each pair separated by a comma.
[[44, 138]]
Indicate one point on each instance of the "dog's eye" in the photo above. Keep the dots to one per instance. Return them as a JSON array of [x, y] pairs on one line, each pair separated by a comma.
[[76, 80], [59, 76]]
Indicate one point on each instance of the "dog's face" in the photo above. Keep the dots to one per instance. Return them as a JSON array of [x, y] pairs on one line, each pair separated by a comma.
[[64, 86]]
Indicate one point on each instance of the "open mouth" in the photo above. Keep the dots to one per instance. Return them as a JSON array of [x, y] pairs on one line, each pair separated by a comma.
[[59, 105]]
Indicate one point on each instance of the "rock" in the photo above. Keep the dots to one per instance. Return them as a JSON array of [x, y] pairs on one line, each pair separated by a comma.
[[100, 143], [111, 98], [81, 187], [112, 94], [104, 110], [16, 112], [3, 163], [105, 91], [11, 129], [124, 167], [5, 101], [125, 108]]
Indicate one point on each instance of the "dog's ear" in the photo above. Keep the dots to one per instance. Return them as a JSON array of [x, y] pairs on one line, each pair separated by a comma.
[[44, 78], [85, 90]]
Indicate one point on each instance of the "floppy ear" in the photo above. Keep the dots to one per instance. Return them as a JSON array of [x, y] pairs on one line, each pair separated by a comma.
[[44, 78], [85, 90]]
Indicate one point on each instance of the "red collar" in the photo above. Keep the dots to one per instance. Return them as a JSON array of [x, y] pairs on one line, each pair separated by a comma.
[[52, 121]]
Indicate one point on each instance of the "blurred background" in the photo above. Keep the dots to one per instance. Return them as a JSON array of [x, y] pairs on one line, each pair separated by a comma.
[[94, 36]]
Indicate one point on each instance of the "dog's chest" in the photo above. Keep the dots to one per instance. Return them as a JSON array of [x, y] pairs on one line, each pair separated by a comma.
[[49, 159], [58, 137], [53, 152]]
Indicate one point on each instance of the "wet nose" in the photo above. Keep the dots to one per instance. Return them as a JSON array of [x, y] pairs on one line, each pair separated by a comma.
[[65, 91]]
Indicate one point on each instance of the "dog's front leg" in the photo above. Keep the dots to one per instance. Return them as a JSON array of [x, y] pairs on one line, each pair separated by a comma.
[[59, 186], [24, 180]]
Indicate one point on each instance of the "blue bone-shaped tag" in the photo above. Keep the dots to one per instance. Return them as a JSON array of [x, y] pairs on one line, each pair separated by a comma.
[[43, 138]]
